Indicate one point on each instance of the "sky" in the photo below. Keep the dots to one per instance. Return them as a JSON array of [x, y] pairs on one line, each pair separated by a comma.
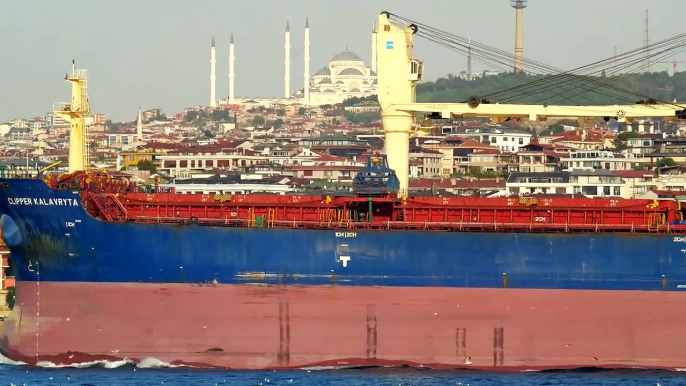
[[155, 53]]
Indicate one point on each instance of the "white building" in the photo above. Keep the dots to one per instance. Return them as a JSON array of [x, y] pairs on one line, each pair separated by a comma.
[[505, 139], [593, 183], [345, 76], [599, 159]]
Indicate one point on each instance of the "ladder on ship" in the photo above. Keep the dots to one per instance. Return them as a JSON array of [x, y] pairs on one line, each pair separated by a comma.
[[102, 211], [271, 217], [85, 107], [252, 219], [327, 217], [655, 220]]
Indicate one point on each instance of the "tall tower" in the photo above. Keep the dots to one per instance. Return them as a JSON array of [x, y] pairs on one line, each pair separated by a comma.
[[139, 126], [76, 113], [287, 62], [373, 66], [213, 76], [306, 72], [647, 65], [519, 6], [232, 73], [469, 60]]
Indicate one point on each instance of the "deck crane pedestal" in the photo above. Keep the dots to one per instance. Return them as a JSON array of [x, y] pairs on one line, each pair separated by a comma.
[[399, 72]]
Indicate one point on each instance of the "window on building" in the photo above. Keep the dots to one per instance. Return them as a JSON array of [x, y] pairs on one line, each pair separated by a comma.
[[606, 190], [618, 191], [590, 190], [521, 141]]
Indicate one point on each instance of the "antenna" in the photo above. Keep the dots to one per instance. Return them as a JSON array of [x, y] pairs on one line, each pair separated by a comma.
[[647, 43], [469, 60]]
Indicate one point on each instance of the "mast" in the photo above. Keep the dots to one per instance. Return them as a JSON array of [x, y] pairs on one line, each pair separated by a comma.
[[76, 113]]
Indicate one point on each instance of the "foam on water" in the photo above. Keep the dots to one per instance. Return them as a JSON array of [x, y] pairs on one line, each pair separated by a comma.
[[145, 363]]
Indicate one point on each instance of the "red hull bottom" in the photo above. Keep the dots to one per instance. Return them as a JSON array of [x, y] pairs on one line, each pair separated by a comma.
[[261, 327]]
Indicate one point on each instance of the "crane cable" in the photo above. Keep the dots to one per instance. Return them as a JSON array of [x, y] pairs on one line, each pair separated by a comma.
[[483, 53]]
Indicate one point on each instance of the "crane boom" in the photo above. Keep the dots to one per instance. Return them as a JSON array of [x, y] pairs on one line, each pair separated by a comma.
[[399, 72], [500, 112]]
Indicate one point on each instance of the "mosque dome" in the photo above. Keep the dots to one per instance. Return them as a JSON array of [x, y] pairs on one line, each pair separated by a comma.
[[351, 71], [323, 71], [346, 56]]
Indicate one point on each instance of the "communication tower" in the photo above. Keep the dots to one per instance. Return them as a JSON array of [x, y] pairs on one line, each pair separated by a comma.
[[519, 6]]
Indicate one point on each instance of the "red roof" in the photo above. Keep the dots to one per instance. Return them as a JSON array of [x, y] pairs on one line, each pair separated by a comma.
[[463, 183], [633, 173]]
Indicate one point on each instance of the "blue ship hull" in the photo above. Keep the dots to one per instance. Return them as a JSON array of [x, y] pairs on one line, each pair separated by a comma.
[[49, 230]]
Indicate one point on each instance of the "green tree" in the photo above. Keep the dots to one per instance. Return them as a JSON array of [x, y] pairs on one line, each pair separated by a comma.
[[554, 129], [147, 165], [639, 167], [220, 115], [620, 142], [667, 161], [277, 123], [660, 86], [362, 118], [258, 120], [301, 111], [191, 116], [11, 297], [280, 113]]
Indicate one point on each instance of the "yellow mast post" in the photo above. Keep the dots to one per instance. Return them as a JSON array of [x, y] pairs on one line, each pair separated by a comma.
[[399, 72], [396, 86], [76, 114]]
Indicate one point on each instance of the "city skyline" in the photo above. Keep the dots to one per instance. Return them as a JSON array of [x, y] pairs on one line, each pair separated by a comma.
[[157, 57]]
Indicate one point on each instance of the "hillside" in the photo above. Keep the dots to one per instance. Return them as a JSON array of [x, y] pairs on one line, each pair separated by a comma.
[[658, 85]]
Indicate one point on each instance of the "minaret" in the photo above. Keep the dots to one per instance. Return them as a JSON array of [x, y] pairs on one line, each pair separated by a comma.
[[373, 66], [232, 73], [139, 126], [213, 76], [306, 73], [287, 62]]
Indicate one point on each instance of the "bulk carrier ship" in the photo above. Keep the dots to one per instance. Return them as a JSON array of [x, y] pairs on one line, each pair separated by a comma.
[[107, 272]]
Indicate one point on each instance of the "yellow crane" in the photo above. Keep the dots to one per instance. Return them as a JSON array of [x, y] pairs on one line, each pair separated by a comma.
[[52, 165], [398, 74]]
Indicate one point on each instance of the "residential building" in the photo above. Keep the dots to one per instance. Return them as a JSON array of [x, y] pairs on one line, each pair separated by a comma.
[[590, 183], [128, 160], [600, 159]]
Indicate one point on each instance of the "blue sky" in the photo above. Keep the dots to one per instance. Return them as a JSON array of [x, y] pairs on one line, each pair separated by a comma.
[[155, 53]]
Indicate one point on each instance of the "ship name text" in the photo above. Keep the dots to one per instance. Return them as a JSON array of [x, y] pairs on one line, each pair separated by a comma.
[[43, 201]]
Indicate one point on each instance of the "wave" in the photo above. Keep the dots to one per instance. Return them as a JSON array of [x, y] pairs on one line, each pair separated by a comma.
[[145, 363]]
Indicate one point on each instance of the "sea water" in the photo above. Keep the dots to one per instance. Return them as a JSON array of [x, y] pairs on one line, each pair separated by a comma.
[[156, 373]]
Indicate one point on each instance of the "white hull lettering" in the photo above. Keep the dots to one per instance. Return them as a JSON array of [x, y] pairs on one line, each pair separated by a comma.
[[346, 235], [27, 201]]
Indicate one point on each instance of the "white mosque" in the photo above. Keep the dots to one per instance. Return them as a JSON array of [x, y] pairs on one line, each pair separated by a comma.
[[345, 76]]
